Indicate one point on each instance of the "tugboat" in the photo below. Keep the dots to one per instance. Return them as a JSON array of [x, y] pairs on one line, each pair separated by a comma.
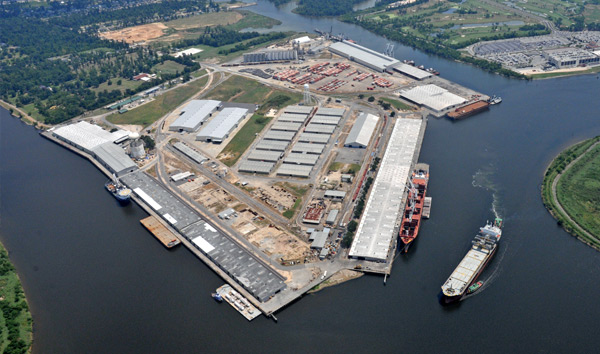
[[217, 297], [495, 99], [118, 190], [473, 288]]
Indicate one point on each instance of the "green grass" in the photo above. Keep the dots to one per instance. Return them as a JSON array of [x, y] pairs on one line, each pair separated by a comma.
[[253, 20], [578, 191], [592, 70], [14, 309], [213, 52], [150, 112], [168, 67], [353, 169], [205, 20], [298, 191], [243, 139], [398, 105], [242, 90], [290, 212], [125, 84], [557, 166], [335, 166]]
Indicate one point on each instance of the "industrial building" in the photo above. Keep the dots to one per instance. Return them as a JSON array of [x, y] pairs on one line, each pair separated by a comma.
[[362, 55], [328, 120], [320, 128], [292, 117], [194, 115], [294, 170], [319, 238], [433, 97], [286, 126], [571, 57], [335, 195], [279, 135], [301, 159], [275, 145], [271, 55], [376, 231], [191, 153], [298, 110], [332, 216], [362, 130], [314, 138], [412, 71], [264, 155], [308, 148], [256, 167], [219, 128], [334, 112], [100, 144]]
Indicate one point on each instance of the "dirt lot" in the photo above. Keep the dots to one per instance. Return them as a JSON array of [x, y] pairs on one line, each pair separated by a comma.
[[136, 34]]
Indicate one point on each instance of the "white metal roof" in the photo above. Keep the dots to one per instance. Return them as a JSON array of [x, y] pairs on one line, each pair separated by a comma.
[[114, 156], [412, 71], [276, 145], [294, 170], [301, 159], [148, 199], [88, 136], [289, 117], [326, 111], [360, 53], [256, 167], [362, 130], [300, 40], [220, 126], [319, 119], [298, 109], [314, 138], [286, 126], [332, 216], [319, 239], [308, 148], [189, 152], [375, 231], [190, 51], [264, 155], [196, 112], [279, 135], [320, 128], [334, 194], [433, 97]]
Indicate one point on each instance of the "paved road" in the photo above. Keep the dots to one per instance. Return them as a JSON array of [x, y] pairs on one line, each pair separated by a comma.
[[554, 195], [549, 24]]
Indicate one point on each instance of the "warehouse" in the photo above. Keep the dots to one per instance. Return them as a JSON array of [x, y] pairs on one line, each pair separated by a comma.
[[314, 138], [271, 55], [279, 135], [274, 145], [294, 170], [256, 167], [411, 71], [194, 115], [433, 97], [308, 148], [298, 110], [191, 153], [264, 155], [364, 56], [332, 216], [290, 117], [114, 158], [286, 126], [362, 130], [219, 128], [334, 112], [335, 195], [329, 120], [301, 159], [318, 239], [571, 57], [320, 128]]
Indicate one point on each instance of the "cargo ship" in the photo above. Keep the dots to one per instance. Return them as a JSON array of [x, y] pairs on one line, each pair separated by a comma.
[[413, 212], [118, 190], [468, 110], [483, 248]]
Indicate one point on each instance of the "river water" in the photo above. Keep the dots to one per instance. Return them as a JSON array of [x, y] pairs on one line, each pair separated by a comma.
[[97, 282]]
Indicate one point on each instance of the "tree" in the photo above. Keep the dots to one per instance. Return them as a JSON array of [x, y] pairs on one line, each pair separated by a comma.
[[352, 225], [371, 99]]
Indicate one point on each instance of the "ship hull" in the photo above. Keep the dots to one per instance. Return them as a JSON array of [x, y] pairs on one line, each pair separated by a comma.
[[112, 189], [413, 223]]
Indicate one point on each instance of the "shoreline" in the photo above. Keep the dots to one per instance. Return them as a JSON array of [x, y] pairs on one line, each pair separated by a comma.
[[22, 115], [339, 277]]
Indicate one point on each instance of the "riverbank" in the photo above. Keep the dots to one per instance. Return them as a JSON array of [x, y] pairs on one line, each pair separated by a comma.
[[561, 166], [22, 115], [342, 276], [16, 331]]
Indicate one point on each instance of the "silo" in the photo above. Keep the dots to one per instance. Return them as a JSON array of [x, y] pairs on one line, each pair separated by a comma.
[[137, 149]]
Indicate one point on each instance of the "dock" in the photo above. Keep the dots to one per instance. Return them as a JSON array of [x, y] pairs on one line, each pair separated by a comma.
[[427, 208], [238, 302], [160, 231]]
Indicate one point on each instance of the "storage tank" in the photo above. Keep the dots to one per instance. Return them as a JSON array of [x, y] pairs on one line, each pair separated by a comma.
[[137, 149]]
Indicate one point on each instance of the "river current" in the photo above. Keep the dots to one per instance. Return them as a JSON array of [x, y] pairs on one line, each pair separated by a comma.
[[97, 282]]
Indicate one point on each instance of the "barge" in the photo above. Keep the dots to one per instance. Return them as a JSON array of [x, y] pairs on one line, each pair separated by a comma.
[[468, 110], [156, 228]]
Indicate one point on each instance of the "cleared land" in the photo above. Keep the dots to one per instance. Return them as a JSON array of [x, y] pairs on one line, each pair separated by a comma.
[[243, 139], [15, 323], [205, 20], [580, 204], [398, 105], [148, 113], [136, 34]]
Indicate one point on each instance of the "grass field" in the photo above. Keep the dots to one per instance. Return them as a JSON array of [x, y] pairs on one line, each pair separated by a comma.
[[15, 322], [593, 70], [578, 191], [557, 166], [243, 139], [150, 112], [398, 105], [298, 191], [168, 67], [125, 84], [205, 20]]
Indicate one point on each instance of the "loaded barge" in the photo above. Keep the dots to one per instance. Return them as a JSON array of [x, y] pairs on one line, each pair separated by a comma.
[[156, 228], [468, 110], [415, 205], [483, 249]]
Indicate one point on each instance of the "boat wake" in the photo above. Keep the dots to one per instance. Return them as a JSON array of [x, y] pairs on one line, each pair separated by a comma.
[[484, 178]]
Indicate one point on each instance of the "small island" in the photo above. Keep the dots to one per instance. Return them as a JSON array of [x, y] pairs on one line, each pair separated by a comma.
[[570, 191]]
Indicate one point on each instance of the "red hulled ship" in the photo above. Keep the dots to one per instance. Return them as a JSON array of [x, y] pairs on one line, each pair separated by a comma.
[[413, 212]]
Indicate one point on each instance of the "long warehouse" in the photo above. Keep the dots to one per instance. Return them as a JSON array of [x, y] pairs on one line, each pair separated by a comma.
[[375, 233], [362, 130], [194, 115], [365, 56], [219, 128]]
